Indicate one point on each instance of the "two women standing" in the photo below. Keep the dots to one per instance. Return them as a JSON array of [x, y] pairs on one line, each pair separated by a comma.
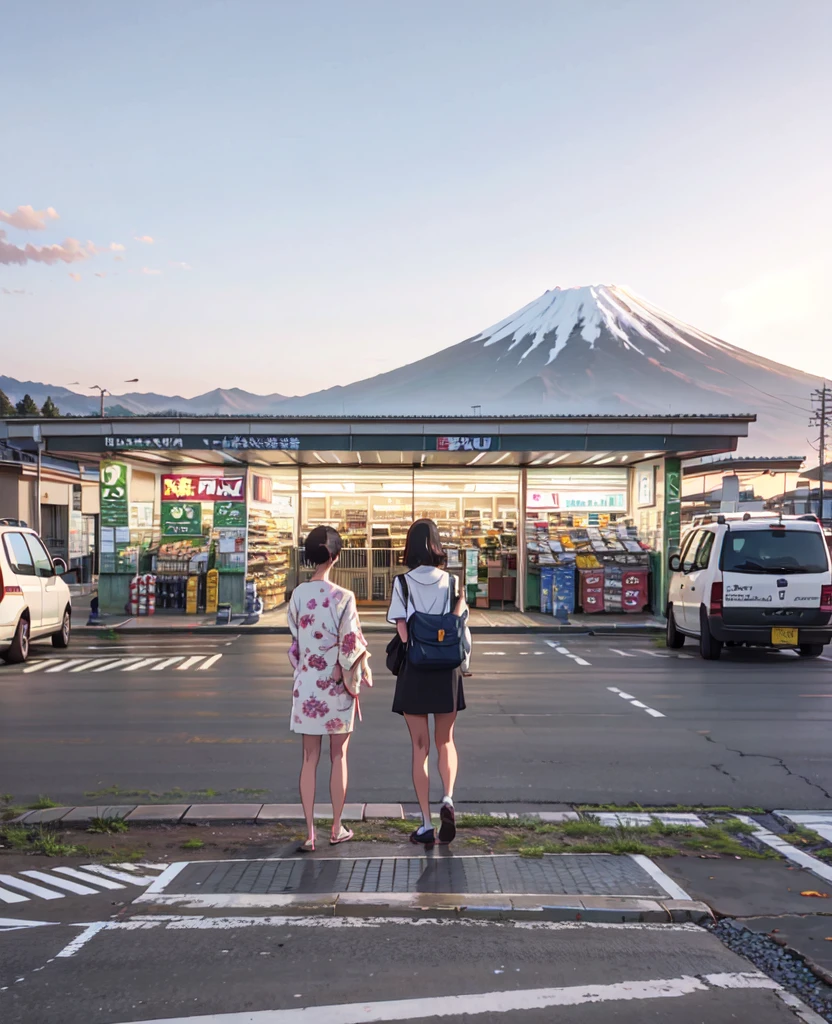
[[327, 642]]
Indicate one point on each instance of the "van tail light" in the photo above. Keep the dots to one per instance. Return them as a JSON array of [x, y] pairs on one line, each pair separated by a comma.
[[716, 599], [4, 590], [826, 598]]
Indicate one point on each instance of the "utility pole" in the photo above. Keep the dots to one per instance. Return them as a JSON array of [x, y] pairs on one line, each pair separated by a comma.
[[822, 419]]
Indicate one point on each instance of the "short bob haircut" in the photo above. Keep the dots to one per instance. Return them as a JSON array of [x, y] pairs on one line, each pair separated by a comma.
[[423, 546], [322, 544]]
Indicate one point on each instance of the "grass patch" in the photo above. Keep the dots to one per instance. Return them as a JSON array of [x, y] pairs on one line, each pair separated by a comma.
[[115, 856], [108, 826], [193, 844], [802, 836], [50, 845], [531, 851], [477, 841], [15, 836], [669, 809], [43, 803], [245, 791], [825, 854]]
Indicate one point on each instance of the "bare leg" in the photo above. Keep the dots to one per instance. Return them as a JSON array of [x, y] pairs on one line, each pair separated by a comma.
[[443, 730], [338, 778], [420, 739], [308, 772]]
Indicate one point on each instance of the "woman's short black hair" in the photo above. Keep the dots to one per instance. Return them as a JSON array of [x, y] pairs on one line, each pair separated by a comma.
[[322, 544], [423, 546]]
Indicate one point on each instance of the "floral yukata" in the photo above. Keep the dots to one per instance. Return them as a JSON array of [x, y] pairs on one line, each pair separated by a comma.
[[327, 640]]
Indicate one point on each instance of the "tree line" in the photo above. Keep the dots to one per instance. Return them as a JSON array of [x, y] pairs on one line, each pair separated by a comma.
[[27, 406]]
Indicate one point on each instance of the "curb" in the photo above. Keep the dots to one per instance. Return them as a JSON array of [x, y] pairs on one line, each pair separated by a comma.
[[598, 909], [613, 630]]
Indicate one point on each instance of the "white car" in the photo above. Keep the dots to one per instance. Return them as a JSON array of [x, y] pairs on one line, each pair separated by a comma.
[[34, 601], [761, 580]]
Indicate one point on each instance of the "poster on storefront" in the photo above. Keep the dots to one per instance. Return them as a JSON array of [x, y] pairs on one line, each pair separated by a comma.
[[113, 491], [646, 486], [181, 519], [77, 545], [229, 513], [203, 488]]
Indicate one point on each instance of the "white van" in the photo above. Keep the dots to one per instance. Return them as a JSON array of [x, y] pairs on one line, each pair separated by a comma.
[[762, 580]]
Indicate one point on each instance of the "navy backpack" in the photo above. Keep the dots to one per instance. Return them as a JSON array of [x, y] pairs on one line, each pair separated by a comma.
[[436, 643]]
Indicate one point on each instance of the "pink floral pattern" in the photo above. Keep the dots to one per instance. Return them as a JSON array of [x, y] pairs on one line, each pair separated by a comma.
[[325, 628]]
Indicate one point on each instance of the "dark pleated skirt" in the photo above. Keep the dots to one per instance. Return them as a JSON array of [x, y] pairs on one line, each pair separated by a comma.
[[428, 693]]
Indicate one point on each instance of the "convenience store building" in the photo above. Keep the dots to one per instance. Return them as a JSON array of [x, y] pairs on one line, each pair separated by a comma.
[[514, 498]]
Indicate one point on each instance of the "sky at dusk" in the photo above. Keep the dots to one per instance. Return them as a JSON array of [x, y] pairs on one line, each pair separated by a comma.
[[282, 196]]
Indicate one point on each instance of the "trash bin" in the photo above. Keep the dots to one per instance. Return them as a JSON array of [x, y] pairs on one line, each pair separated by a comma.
[[547, 579], [636, 590], [592, 590], [563, 591]]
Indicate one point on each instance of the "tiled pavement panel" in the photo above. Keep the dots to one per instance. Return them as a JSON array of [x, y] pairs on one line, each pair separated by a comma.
[[598, 874]]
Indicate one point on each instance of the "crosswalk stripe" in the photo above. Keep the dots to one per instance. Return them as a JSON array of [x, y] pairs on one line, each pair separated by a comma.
[[166, 663], [104, 883], [89, 664], [64, 665], [211, 661], [30, 887], [12, 897], [61, 883], [119, 663], [41, 665], [624, 654], [189, 662], [119, 876], [141, 664]]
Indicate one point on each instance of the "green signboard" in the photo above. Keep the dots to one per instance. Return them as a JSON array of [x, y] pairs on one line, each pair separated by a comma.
[[115, 509], [181, 519], [672, 520], [229, 513]]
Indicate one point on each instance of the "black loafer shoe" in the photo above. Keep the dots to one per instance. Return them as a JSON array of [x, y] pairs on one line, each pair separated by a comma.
[[447, 828], [423, 838]]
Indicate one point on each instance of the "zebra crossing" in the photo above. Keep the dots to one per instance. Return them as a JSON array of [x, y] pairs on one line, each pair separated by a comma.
[[86, 880], [119, 663]]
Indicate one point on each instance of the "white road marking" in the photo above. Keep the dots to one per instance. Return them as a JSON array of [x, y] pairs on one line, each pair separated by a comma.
[[38, 665], [674, 891], [460, 1006], [170, 872], [166, 663], [626, 696], [64, 665], [567, 653], [818, 821], [493, 654], [624, 654], [12, 897], [31, 888], [103, 883], [118, 663], [141, 664], [211, 661], [61, 883], [613, 689], [81, 940], [501, 643], [635, 703], [11, 924], [119, 876], [654, 713], [86, 665], [801, 857], [189, 662]]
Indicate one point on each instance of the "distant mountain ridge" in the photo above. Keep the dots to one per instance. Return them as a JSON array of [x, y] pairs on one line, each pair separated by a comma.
[[219, 402]]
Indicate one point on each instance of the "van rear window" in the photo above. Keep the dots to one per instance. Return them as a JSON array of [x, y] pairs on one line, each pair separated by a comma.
[[784, 552]]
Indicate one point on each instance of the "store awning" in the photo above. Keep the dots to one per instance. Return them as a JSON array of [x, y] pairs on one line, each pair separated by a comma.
[[386, 441]]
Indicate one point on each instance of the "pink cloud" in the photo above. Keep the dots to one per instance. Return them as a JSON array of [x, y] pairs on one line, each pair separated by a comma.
[[75, 277], [69, 251], [149, 270], [26, 218], [147, 239], [94, 249]]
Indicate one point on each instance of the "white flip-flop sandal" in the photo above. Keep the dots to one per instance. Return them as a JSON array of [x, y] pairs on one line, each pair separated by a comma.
[[343, 836]]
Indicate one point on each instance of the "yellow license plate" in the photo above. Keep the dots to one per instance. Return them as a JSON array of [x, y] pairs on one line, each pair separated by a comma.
[[784, 636]]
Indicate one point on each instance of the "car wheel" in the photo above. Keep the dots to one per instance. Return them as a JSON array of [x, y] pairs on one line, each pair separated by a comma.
[[62, 639], [709, 648], [19, 650], [675, 639], [810, 650]]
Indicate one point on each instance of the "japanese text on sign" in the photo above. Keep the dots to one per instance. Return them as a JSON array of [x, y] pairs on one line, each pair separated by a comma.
[[236, 442], [211, 488], [143, 442], [463, 444]]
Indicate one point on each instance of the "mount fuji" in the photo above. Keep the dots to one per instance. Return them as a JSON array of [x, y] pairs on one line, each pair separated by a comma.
[[589, 350]]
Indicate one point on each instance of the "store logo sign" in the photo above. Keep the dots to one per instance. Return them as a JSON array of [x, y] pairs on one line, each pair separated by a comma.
[[209, 488], [463, 444], [253, 442]]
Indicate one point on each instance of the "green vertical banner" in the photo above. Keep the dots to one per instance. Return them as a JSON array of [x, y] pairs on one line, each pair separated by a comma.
[[672, 518], [115, 509]]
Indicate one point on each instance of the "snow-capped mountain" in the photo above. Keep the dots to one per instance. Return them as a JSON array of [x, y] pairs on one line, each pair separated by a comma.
[[593, 349]]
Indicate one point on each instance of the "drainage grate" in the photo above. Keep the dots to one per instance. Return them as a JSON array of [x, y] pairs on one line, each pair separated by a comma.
[[596, 874]]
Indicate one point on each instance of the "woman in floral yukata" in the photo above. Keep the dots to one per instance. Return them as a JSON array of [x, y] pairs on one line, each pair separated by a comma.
[[327, 641]]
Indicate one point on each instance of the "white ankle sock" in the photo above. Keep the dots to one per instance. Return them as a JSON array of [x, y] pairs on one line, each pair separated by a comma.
[[426, 823], [448, 800]]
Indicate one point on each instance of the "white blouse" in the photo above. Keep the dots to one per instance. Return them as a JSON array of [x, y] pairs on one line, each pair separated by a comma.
[[428, 591]]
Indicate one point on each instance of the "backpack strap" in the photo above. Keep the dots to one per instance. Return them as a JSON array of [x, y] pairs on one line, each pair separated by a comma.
[[452, 594], [405, 590]]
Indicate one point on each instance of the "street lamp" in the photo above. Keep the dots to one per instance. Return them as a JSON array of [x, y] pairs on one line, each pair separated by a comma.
[[105, 391]]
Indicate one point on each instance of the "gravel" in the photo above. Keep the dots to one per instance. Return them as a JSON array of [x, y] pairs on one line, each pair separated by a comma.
[[785, 968]]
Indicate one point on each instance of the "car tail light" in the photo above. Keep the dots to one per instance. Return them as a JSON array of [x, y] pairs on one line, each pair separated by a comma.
[[716, 599], [826, 598]]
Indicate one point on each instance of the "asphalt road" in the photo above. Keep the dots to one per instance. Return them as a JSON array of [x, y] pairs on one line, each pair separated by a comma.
[[113, 719], [170, 969]]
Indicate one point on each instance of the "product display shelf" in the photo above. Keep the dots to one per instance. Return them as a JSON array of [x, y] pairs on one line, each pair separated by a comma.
[[270, 541]]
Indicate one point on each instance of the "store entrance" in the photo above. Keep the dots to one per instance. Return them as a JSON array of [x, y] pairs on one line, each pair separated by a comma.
[[476, 512]]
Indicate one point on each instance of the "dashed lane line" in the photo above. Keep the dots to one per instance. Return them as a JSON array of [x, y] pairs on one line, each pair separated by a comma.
[[567, 653], [636, 703]]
